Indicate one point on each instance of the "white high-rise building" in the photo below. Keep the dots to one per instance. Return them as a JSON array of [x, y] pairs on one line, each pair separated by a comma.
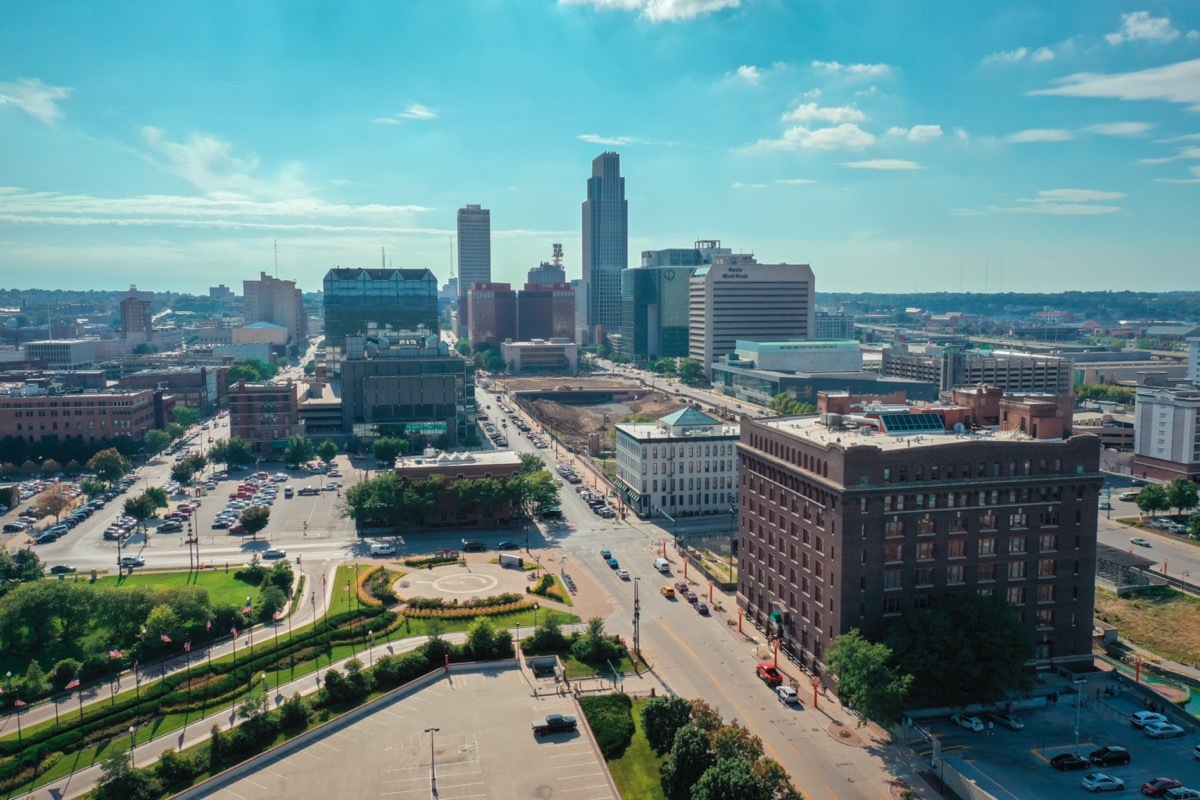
[[474, 254]]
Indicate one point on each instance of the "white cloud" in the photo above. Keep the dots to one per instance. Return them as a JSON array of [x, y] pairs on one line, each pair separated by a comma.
[[1193, 35], [1124, 129], [34, 98], [1174, 83], [660, 10], [1187, 137], [1040, 135], [846, 136], [917, 133], [853, 70], [882, 163], [1195, 171], [612, 141], [1006, 56], [1042, 54], [1073, 196], [208, 163], [740, 185], [1140, 26], [961, 134], [747, 73], [811, 112], [811, 94], [794, 181], [414, 111]]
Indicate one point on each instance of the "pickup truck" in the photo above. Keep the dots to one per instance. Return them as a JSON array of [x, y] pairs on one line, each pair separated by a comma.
[[553, 723]]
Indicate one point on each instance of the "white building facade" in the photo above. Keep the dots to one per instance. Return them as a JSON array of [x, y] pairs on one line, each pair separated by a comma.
[[1167, 433], [684, 464]]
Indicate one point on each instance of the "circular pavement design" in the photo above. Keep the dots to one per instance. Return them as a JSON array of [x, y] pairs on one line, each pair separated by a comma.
[[452, 581]]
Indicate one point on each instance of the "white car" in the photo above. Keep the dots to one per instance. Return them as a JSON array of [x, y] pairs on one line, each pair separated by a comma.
[[1140, 719], [1162, 730], [787, 695], [623, 574], [971, 723], [1099, 782], [1139, 541]]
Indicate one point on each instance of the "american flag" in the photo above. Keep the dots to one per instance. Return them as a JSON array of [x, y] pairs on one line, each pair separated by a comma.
[[115, 653], [248, 609], [233, 632], [207, 625], [164, 638], [187, 646], [20, 703], [347, 586], [277, 615], [74, 684]]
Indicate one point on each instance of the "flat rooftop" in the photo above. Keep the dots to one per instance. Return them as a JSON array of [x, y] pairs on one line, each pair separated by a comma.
[[853, 433]]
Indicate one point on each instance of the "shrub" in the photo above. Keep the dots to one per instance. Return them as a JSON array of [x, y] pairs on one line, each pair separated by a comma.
[[294, 713], [611, 718]]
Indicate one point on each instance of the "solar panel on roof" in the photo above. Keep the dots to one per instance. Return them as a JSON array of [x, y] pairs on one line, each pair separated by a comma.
[[912, 423]]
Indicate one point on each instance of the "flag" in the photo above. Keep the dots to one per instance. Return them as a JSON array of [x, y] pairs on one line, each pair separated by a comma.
[[115, 653], [233, 632], [277, 615], [164, 638], [322, 580], [20, 703], [207, 626], [135, 668], [74, 684], [314, 601], [248, 609], [347, 586], [187, 646]]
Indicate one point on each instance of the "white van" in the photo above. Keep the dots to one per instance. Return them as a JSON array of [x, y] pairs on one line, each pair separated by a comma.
[[662, 565], [383, 549]]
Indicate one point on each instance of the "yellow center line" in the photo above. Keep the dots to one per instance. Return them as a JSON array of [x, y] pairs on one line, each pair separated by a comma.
[[742, 713]]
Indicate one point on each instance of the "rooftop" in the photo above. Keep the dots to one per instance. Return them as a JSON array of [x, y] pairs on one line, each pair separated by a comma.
[[442, 460], [889, 430]]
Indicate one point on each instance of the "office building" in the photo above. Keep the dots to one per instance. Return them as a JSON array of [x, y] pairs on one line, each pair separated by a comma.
[[1166, 438], [374, 303], [654, 312], [474, 252], [448, 509], [947, 367], [605, 242], [541, 357], [832, 327], [737, 298], [63, 353], [279, 302], [136, 319], [546, 311], [193, 387], [91, 417], [852, 521], [583, 334], [704, 251], [491, 313], [265, 415], [221, 293], [549, 272], [417, 385], [683, 464]]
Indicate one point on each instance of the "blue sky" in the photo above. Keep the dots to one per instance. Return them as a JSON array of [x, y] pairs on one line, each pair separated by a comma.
[[894, 146]]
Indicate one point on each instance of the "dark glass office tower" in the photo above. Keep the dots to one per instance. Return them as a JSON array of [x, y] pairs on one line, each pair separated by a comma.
[[605, 242], [376, 302]]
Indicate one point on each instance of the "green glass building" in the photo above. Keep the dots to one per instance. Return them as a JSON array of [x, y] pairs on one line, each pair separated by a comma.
[[376, 302], [654, 313]]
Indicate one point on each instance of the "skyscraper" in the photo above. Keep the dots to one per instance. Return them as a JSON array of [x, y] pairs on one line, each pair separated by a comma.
[[605, 241], [135, 312], [376, 302], [269, 299], [474, 253]]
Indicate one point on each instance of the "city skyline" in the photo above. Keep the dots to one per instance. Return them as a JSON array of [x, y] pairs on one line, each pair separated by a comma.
[[893, 149]]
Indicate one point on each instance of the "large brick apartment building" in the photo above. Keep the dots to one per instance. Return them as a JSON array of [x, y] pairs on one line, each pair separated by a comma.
[[852, 521]]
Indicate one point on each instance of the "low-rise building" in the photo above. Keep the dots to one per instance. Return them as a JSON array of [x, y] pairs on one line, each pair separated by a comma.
[[449, 511], [541, 357], [34, 416], [682, 465], [63, 353], [265, 415]]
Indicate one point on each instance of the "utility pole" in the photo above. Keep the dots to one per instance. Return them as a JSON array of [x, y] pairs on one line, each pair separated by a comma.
[[637, 628], [432, 765]]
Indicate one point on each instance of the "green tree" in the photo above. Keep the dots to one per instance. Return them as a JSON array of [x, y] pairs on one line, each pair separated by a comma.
[[299, 450], [386, 448], [966, 648], [182, 471], [310, 367], [35, 678], [593, 646], [787, 406], [120, 781], [92, 486], [1193, 525], [1182, 495], [109, 465], [735, 741], [254, 519], [327, 451], [729, 779], [481, 639], [141, 508], [691, 757], [705, 717], [662, 719], [157, 440], [185, 416], [691, 371], [175, 431], [271, 600], [233, 452], [161, 620], [73, 467], [463, 347], [530, 492], [1152, 498], [866, 678], [531, 462], [157, 495]]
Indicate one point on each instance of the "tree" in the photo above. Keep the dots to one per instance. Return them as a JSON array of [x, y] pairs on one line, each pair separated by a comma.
[[120, 781], [310, 367], [729, 779], [51, 467], [866, 679], [386, 448], [255, 518], [967, 648], [593, 646], [73, 467], [531, 462], [161, 620], [271, 600], [691, 371], [691, 756], [182, 471], [736, 741], [158, 496], [55, 500], [109, 465], [157, 440], [299, 450], [663, 718], [787, 406], [92, 486], [704, 716], [185, 416], [1182, 495], [1194, 526], [141, 508], [531, 492], [1152, 498], [327, 451], [463, 347], [233, 452]]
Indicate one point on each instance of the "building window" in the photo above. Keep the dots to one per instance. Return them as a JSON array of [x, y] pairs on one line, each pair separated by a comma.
[[892, 579], [1048, 542], [1016, 570], [1047, 567], [894, 527], [988, 522], [987, 546], [925, 551], [1047, 593], [956, 548], [891, 606], [987, 572], [1018, 544], [1018, 520], [1045, 617], [1016, 595], [893, 552], [924, 576], [954, 574], [926, 526]]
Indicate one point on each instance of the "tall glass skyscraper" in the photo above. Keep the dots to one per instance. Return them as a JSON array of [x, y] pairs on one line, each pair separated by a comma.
[[376, 302], [605, 241], [474, 253]]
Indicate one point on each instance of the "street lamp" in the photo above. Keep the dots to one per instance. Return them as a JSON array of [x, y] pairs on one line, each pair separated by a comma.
[[432, 765], [132, 743], [1079, 684]]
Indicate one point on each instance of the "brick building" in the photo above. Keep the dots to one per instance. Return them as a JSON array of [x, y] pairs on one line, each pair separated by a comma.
[[852, 521], [266, 415], [448, 512], [491, 313], [93, 417]]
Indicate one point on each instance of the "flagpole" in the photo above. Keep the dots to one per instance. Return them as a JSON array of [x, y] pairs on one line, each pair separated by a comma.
[[18, 722], [55, 700], [276, 655], [80, 702]]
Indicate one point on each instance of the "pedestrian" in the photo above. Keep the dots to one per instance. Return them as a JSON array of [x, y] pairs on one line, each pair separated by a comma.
[[991, 728]]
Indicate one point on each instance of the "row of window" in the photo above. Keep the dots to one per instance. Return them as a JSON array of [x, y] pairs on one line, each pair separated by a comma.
[[722, 482], [693, 450], [1011, 468], [992, 497], [894, 579], [692, 467], [987, 522], [984, 546]]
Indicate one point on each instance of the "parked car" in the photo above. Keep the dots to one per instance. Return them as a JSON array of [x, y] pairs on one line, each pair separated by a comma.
[[59, 530], [1110, 756], [1140, 719], [1099, 782], [1181, 793], [46, 538], [133, 561], [606, 554], [1069, 762], [968, 721], [1139, 541], [469, 546], [507, 545], [1158, 786], [769, 674], [613, 563], [1008, 720], [1105, 505], [62, 569], [787, 695], [701, 607], [668, 592], [1162, 730], [623, 574]]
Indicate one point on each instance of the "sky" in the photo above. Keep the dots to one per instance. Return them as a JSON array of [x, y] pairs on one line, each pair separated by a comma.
[[895, 147]]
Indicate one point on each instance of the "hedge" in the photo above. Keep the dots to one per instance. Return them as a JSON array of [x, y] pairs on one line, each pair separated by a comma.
[[611, 718]]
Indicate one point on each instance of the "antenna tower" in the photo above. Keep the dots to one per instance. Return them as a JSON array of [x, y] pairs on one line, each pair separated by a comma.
[[558, 256]]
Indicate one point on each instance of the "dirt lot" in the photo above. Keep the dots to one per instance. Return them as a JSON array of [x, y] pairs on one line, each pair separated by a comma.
[[574, 423], [1162, 620], [583, 382]]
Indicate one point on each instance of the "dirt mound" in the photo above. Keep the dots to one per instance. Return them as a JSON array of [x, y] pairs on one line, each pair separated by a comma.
[[576, 422]]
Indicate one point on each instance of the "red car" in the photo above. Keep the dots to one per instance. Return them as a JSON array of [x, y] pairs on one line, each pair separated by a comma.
[[1158, 787], [769, 674]]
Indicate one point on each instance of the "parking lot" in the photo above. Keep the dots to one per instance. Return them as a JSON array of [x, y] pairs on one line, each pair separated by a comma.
[[483, 748], [1015, 764]]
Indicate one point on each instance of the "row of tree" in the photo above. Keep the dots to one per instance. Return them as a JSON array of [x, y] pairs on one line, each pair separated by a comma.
[[785, 405], [301, 449], [1180, 494]]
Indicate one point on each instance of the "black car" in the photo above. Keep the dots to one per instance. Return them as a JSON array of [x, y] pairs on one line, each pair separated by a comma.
[[507, 545], [62, 569], [1070, 761], [1110, 756], [473, 547]]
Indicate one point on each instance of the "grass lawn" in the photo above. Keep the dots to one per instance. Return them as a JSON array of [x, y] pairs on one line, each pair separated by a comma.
[[636, 772], [1161, 619], [578, 669], [223, 589]]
